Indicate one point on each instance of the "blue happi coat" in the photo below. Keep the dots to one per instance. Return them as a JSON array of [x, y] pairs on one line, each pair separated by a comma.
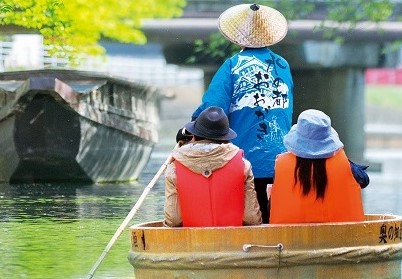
[[255, 89]]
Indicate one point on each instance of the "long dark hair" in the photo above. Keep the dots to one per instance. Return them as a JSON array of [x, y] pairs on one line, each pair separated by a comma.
[[317, 180]]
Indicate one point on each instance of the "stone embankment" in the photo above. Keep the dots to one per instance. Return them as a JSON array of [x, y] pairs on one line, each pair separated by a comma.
[[383, 128]]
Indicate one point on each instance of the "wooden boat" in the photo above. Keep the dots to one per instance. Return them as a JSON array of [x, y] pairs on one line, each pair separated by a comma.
[[369, 249], [65, 125]]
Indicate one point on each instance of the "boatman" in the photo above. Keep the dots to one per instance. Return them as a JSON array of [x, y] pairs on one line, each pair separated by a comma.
[[255, 89], [209, 182]]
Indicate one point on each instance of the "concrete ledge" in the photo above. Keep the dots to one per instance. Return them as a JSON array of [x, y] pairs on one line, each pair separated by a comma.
[[383, 136], [176, 30], [388, 129], [386, 161]]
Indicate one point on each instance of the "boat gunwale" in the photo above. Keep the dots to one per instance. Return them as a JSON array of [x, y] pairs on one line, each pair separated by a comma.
[[74, 75], [370, 219]]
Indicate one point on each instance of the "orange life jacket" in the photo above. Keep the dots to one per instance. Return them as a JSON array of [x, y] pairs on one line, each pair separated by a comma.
[[217, 200], [342, 201]]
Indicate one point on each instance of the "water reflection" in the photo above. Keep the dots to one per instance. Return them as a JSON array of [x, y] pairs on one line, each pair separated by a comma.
[[21, 202]]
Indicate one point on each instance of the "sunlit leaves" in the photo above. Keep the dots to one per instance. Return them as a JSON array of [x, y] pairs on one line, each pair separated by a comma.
[[75, 26], [4, 8]]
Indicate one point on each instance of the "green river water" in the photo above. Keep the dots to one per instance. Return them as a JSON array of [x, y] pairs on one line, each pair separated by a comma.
[[59, 231]]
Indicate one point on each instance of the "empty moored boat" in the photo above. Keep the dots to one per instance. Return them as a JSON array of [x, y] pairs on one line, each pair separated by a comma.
[[74, 126]]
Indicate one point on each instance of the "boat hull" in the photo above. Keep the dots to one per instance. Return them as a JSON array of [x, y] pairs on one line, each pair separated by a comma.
[[53, 132], [370, 249]]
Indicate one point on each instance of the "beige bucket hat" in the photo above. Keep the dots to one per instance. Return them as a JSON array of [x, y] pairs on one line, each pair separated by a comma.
[[253, 26]]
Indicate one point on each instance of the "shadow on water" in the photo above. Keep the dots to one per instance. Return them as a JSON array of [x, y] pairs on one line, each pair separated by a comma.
[[68, 202]]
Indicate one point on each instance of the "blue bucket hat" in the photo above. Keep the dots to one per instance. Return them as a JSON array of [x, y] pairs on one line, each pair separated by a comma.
[[212, 123], [312, 137]]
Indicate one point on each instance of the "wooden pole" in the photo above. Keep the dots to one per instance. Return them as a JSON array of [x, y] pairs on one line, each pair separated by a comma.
[[130, 215]]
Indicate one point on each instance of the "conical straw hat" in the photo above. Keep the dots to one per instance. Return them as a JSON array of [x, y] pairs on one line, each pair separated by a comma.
[[253, 25]]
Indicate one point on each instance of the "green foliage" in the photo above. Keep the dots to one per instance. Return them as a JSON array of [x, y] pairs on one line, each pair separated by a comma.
[[347, 14], [392, 47], [214, 51], [354, 11], [292, 9], [73, 27], [4, 8]]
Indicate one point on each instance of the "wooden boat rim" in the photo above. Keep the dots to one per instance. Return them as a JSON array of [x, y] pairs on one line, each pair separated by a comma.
[[370, 218]]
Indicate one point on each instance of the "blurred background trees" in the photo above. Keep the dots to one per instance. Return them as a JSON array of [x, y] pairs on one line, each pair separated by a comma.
[[71, 27]]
